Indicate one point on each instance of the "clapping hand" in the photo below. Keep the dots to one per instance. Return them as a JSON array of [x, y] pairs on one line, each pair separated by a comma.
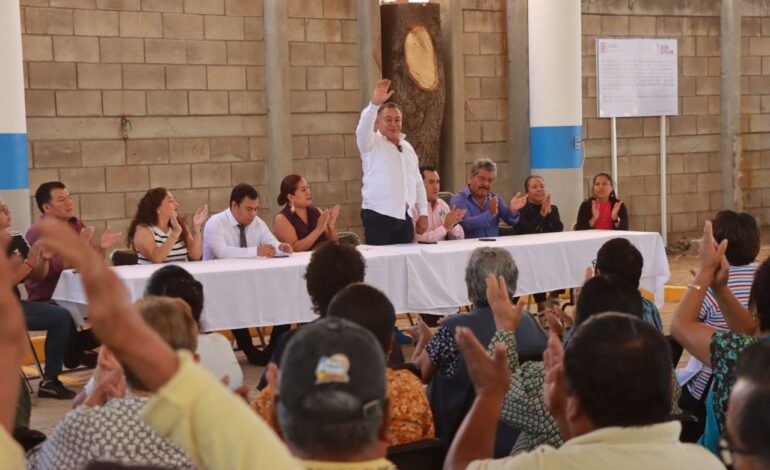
[[490, 375], [554, 387], [507, 317], [518, 201], [109, 378], [711, 254], [108, 238], [323, 219], [286, 248], [616, 210], [176, 227], [381, 93], [334, 212], [87, 233], [493, 205], [200, 217], [558, 321], [545, 209]]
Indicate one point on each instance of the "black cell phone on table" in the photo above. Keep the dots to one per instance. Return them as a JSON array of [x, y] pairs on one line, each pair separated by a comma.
[[427, 243], [487, 239]]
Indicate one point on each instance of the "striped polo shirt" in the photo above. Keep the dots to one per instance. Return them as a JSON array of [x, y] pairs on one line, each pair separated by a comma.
[[178, 253]]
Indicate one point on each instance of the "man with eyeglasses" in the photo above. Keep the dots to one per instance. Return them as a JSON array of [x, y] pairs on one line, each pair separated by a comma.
[[237, 232], [745, 442]]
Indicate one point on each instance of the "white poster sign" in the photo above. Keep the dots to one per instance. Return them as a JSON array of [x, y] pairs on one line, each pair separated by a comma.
[[636, 77]]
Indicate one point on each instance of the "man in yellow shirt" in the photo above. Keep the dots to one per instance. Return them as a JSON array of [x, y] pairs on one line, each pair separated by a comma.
[[190, 406]]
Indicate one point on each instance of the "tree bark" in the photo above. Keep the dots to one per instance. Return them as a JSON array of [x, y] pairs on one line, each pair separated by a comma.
[[411, 34]]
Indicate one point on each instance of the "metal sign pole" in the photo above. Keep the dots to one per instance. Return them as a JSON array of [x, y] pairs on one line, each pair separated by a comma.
[[614, 146], [663, 218]]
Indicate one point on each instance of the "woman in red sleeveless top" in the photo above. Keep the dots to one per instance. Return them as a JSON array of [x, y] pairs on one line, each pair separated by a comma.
[[603, 210], [299, 223]]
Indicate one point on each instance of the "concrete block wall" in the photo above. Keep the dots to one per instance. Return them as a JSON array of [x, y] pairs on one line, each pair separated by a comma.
[[186, 75], [694, 181], [755, 116], [325, 103], [486, 93]]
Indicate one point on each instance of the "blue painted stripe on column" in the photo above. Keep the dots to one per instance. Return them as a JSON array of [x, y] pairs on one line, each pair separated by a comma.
[[14, 173], [554, 147]]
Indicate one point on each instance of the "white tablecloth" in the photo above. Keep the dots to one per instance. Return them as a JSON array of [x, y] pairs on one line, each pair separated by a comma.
[[416, 278]]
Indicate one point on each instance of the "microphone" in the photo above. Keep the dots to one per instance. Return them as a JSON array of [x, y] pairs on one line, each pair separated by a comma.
[[400, 148]]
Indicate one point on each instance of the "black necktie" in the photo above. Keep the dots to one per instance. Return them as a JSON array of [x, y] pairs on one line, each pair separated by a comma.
[[242, 228]]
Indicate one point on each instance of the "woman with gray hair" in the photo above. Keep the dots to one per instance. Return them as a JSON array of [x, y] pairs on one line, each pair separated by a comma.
[[450, 391]]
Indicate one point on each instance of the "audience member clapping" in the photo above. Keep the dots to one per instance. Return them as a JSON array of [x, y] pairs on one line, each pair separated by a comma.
[[714, 348], [603, 210]]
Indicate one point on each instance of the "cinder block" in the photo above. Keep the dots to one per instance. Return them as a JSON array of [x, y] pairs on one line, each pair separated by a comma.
[[350, 78], [341, 54], [103, 153], [84, 4], [695, 66], [36, 48], [472, 87], [253, 29], [695, 105], [306, 54], [471, 43], [326, 146], [243, 7], [144, 152], [207, 175], [700, 26], [186, 77], [305, 9], [191, 199], [40, 176], [141, 24], [641, 26], [144, 77], [83, 180], [757, 46], [709, 182], [176, 26], [208, 7], [759, 123], [166, 51], [473, 131], [255, 78], [328, 194], [253, 172], [75, 49], [166, 103], [695, 163], [349, 31], [759, 85], [475, 21], [48, 21], [342, 9], [166, 6], [324, 78], [297, 78], [189, 150], [100, 76], [102, 206], [295, 29], [766, 65], [78, 103], [614, 25], [669, 26], [494, 131], [479, 66], [708, 125], [129, 5], [229, 149], [323, 30], [591, 25], [170, 176], [208, 102], [314, 170], [63, 128], [751, 65], [224, 27], [492, 43], [682, 125], [248, 102], [258, 148], [206, 52], [342, 101], [245, 53], [96, 23], [750, 104], [40, 103], [55, 154], [226, 78], [707, 46], [299, 146], [122, 50], [480, 110]]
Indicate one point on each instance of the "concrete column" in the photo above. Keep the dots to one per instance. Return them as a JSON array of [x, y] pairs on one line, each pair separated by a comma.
[[279, 152], [555, 99], [369, 48], [452, 159], [14, 175], [730, 103], [518, 92]]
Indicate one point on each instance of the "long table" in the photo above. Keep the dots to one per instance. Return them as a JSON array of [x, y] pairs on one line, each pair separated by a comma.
[[416, 277]]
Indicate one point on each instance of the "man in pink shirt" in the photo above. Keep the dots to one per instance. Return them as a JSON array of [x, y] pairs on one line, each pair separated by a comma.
[[443, 222]]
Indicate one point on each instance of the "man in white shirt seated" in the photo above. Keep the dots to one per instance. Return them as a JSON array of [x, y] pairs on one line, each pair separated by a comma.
[[610, 393], [237, 232], [443, 222], [392, 182]]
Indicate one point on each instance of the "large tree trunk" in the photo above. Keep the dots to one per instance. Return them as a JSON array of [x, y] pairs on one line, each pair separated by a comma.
[[411, 59]]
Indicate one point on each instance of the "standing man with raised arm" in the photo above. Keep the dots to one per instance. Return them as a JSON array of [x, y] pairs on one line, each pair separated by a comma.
[[392, 180]]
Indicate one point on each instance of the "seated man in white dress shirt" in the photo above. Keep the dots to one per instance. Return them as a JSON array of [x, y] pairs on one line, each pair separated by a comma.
[[237, 232]]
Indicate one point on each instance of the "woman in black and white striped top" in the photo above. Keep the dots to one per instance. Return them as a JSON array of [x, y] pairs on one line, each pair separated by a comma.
[[160, 235]]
